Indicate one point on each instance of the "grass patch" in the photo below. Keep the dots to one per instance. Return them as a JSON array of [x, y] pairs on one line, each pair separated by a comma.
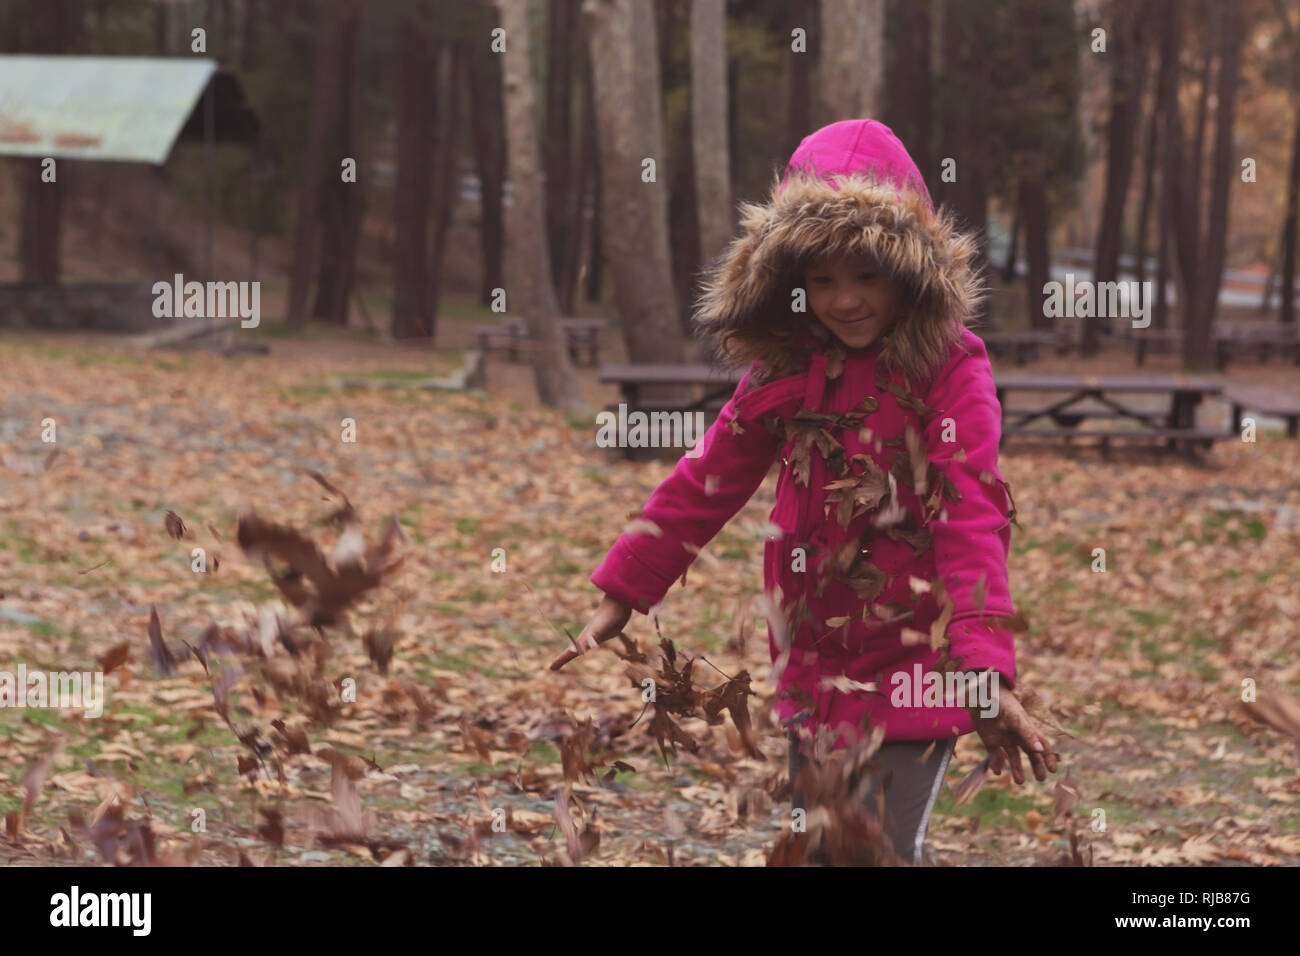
[[1006, 805]]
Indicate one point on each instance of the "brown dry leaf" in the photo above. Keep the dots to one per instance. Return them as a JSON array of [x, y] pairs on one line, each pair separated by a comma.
[[115, 657], [175, 526], [1066, 795], [970, 785], [1200, 849], [1280, 713], [34, 778], [163, 660], [570, 830]]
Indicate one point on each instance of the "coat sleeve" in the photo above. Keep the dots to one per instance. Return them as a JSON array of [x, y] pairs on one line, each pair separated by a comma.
[[690, 506], [972, 545]]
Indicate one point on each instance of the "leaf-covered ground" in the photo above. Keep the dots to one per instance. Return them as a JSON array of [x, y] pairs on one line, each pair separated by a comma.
[[1143, 664]]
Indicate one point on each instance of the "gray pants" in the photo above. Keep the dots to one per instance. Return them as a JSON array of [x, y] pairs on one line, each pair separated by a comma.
[[911, 793]]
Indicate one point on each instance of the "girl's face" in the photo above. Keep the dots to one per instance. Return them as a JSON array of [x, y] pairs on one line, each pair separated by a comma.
[[853, 298]]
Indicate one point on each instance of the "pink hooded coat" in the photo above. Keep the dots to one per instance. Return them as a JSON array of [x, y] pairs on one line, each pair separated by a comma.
[[862, 422]]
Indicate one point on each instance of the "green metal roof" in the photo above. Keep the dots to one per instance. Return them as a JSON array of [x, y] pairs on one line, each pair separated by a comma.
[[97, 107]]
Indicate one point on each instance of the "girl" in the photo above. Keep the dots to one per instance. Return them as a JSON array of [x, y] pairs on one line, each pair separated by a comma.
[[847, 296]]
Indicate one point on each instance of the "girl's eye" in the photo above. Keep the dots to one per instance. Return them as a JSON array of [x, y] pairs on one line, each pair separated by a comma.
[[867, 275]]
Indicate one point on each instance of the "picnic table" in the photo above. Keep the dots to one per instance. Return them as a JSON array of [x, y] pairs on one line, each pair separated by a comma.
[[1175, 423], [580, 336], [1230, 340], [1099, 395], [1261, 398]]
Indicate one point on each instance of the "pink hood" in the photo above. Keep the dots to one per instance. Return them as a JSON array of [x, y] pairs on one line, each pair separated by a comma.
[[842, 422]]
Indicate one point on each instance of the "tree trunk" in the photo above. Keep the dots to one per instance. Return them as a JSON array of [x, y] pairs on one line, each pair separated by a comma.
[[1148, 193], [1033, 193], [411, 311], [326, 57], [908, 105], [487, 124], [342, 203], [54, 30], [1286, 310], [596, 245], [648, 99], [709, 126], [644, 285], [803, 67], [683, 206], [1200, 259], [1199, 341], [850, 81], [446, 169], [571, 256], [1202, 102], [248, 42], [1128, 68], [533, 294], [965, 127], [562, 23], [1009, 266]]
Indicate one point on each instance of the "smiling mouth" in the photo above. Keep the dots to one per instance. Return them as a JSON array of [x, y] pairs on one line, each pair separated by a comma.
[[853, 321]]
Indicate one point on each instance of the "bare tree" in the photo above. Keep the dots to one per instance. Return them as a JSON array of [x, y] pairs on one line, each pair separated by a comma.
[[850, 84], [647, 305], [533, 293]]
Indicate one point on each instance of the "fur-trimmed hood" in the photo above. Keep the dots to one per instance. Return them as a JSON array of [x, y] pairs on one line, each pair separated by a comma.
[[850, 187]]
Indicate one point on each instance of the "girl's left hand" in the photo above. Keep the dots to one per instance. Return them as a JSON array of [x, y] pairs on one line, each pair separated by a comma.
[[1011, 731]]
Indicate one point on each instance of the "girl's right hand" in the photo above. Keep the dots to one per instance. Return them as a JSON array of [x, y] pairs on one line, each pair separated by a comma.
[[610, 618]]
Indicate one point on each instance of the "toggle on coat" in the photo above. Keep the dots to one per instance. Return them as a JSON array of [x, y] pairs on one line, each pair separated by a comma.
[[894, 521]]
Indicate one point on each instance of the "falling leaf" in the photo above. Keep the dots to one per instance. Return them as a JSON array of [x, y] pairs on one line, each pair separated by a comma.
[[1066, 793], [115, 657], [163, 660], [642, 526], [175, 526], [970, 785]]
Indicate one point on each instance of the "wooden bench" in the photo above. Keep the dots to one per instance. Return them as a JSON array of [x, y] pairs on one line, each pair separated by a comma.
[[581, 336], [1022, 346], [717, 386], [1233, 339], [1189, 438], [1091, 396], [1269, 401]]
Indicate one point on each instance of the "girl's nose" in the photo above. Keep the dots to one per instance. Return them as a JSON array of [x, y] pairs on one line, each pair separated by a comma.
[[847, 301]]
